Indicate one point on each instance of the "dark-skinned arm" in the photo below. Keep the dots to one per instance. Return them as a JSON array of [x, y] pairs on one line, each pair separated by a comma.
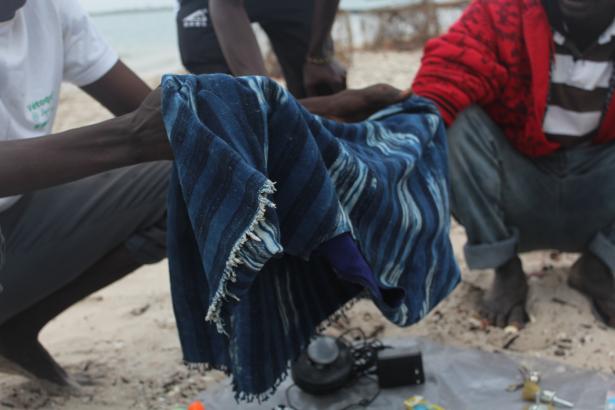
[[31, 164], [36, 163], [355, 105], [120, 90], [323, 74], [321, 45], [236, 37]]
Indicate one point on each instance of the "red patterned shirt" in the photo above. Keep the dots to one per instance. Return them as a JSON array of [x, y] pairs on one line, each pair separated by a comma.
[[498, 55]]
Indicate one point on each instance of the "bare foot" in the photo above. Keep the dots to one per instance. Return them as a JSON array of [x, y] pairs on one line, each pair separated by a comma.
[[590, 276], [504, 303], [21, 353]]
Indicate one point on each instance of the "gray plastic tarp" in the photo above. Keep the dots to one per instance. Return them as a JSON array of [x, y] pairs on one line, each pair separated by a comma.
[[457, 379]]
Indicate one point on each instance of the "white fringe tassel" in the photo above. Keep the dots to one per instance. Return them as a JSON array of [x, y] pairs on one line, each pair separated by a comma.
[[234, 260]]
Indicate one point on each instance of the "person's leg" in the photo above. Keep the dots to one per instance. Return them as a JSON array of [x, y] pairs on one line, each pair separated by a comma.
[[590, 214], [591, 276], [503, 200], [289, 31], [199, 49], [20, 350], [66, 242]]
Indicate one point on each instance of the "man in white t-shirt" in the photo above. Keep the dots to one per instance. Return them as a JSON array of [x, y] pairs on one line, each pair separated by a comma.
[[59, 244]]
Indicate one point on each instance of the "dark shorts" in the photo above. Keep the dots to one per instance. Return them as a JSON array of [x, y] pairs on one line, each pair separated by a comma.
[[286, 22]]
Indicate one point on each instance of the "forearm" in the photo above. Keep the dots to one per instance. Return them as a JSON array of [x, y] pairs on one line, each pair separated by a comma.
[[31, 164], [317, 105], [355, 105], [236, 38], [322, 23]]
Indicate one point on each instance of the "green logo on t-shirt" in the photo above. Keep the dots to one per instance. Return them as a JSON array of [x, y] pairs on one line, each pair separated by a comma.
[[41, 111]]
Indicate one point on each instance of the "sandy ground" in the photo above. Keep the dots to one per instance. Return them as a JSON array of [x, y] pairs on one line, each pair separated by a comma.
[[122, 341]]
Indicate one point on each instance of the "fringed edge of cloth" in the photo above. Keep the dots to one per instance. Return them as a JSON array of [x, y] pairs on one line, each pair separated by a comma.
[[234, 259]]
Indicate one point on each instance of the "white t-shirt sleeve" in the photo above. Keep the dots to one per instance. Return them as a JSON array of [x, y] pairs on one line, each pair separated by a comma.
[[87, 56]]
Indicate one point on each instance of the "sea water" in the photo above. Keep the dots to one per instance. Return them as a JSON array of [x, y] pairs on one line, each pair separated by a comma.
[[146, 40]]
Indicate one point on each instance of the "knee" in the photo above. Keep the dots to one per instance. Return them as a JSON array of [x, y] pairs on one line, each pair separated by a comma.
[[148, 242], [153, 182], [471, 142], [473, 158], [149, 245], [467, 133]]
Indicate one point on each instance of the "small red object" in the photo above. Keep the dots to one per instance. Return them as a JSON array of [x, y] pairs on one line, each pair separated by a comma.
[[196, 405]]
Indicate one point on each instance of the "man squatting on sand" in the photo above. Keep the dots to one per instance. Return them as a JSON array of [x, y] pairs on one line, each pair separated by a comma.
[[527, 90], [76, 212]]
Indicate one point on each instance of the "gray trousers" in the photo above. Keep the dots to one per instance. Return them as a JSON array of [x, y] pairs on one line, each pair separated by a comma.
[[54, 235], [510, 203]]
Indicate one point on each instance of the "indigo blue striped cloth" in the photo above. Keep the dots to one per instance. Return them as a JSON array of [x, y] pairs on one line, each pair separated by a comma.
[[279, 218]]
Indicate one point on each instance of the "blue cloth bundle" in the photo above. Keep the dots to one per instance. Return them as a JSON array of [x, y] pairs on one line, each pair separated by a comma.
[[278, 218]]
